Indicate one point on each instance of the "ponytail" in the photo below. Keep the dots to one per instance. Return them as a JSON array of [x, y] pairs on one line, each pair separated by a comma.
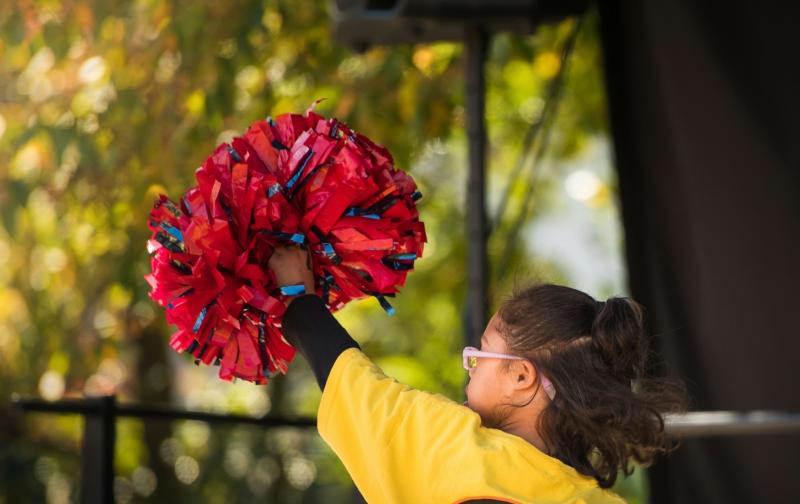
[[619, 336]]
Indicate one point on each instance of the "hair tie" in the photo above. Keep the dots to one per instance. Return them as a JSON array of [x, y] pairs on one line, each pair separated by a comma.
[[549, 389]]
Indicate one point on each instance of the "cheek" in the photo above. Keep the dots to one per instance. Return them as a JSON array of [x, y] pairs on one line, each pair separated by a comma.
[[470, 388], [479, 388]]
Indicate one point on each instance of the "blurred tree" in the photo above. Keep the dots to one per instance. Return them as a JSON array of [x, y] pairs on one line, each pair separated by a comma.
[[103, 105]]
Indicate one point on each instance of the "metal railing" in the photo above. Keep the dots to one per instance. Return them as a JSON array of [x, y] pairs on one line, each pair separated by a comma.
[[732, 423], [101, 413]]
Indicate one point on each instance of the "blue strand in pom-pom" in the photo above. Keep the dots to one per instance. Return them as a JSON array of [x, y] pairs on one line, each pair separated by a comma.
[[385, 305], [199, 322], [328, 250], [234, 155], [330, 253], [175, 232], [360, 212], [299, 170], [186, 206], [403, 257], [170, 206], [298, 238], [273, 189], [399, 266], [169, 242], [382, 205], [398, 262], [308, 177]]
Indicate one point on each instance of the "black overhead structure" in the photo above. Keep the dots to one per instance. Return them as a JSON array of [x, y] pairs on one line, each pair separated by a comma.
[[364, 23]]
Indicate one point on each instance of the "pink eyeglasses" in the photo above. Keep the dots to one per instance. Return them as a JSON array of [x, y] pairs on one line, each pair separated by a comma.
[[471, 354]]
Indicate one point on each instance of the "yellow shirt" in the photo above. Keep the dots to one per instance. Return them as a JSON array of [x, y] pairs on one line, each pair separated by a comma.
[[402, 445]]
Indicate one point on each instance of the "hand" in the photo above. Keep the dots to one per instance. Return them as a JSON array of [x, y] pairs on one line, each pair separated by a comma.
[[292, 266]]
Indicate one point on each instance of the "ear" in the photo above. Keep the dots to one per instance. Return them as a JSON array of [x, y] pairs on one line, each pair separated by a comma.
[[523, 375]]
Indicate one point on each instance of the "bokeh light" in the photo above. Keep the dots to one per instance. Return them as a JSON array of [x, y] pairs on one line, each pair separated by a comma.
[[300, 471], [186, 469], [92, 70], [144, 481], [583, 186], [51, 385]]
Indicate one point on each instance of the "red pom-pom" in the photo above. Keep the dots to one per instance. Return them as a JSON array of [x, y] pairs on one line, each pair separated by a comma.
[[299, 179]]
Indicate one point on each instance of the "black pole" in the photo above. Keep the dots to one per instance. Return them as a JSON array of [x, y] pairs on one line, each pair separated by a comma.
[[99, 436], [477, 264]]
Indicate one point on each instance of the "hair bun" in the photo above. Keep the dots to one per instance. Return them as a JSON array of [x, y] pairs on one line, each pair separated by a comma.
[[619, 336]]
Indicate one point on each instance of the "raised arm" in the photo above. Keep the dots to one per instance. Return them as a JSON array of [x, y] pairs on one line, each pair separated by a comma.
[[307, 323], [310, 327]]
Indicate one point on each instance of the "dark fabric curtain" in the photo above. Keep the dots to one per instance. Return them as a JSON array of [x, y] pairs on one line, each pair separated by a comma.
[[704, 104]]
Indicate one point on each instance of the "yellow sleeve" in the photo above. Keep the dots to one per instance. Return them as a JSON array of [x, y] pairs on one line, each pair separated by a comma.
[[388, 435]]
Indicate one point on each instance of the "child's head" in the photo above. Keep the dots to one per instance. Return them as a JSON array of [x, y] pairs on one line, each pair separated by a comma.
[[605, 409]]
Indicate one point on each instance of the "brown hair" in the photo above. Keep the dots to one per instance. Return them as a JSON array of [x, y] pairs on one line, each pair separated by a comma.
[[607, 410]]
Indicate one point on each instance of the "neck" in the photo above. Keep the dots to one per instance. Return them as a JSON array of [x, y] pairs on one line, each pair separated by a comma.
[[526, 429], [523, 422]]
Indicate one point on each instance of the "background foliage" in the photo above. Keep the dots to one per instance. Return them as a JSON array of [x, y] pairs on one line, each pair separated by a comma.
[[105, 104]]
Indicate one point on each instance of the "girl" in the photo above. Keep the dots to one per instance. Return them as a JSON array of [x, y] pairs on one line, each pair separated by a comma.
[[556, 404]]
